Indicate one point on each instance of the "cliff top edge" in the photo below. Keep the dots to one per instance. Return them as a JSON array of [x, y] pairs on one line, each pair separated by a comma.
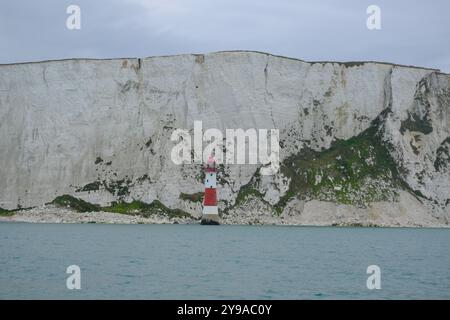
[[345, 63]]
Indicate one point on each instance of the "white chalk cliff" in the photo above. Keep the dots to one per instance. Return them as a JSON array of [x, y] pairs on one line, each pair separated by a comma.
[[362, 143]]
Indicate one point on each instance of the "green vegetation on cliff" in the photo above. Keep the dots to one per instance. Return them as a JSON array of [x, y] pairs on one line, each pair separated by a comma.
[[133, 208], [119, 188], [144, 209], [356, 171], [6, 213], [442, 155], [67, 201]]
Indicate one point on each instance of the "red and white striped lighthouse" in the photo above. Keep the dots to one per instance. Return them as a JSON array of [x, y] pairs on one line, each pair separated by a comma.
[[210, 211]]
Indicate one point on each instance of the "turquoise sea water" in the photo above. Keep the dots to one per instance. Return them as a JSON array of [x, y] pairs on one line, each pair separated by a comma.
[[221, 262]]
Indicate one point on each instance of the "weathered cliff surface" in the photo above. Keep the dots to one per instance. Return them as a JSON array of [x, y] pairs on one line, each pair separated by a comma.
[[361, 143]]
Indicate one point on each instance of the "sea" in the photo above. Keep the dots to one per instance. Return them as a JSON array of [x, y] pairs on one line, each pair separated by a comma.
[[101, 261]]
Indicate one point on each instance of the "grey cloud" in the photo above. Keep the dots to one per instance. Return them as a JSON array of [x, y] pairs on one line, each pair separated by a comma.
[[413, 32]]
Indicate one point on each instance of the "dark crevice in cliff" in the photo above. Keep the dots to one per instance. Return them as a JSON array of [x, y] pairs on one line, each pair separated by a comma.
[[419, 119]]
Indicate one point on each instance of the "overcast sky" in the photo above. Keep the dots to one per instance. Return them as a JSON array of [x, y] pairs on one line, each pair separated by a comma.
[[412, 32]]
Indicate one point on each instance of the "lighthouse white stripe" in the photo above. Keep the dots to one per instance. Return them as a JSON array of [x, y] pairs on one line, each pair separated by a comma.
[[210, 210], [210, 180]]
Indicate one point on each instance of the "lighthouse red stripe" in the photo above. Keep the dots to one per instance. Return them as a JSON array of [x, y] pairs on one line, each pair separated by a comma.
[[210, 197]]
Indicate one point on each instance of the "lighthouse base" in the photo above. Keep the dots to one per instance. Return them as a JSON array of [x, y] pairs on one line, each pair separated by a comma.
[[210, 219], [210, 215]]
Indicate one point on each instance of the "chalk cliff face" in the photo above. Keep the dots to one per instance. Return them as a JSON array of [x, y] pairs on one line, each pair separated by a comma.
[[361, 143]]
